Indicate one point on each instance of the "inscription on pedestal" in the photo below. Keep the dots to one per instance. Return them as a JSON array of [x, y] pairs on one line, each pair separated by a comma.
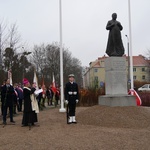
[[115, 63], [116, 76], [118, 65]]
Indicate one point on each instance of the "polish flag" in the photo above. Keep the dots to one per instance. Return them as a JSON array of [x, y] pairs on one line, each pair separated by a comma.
[[138, 99], [53, 85]]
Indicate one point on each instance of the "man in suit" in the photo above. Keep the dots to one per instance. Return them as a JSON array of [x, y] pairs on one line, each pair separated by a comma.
[[71, 97], [2, 100], [7, 96]]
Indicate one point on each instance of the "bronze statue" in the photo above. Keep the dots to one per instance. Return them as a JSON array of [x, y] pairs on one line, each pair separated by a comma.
[[114, 44]]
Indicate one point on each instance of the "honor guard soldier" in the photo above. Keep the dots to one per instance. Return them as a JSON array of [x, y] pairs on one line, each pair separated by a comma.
[[71, 97]]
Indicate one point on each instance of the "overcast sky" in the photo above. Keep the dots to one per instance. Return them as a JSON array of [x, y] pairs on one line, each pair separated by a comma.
[[83, 23]]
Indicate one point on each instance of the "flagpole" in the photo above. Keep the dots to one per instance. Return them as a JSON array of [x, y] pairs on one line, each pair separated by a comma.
[[130, 39], [62, 109]]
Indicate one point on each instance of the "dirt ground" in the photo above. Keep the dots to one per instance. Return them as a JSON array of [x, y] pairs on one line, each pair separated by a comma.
[[98, 128]]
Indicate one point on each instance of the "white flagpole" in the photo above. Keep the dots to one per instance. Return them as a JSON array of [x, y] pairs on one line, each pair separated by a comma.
[[62, 109], [130, 39]]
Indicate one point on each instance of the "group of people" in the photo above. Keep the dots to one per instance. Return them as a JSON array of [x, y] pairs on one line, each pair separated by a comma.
[[13, 96], [52, 95]]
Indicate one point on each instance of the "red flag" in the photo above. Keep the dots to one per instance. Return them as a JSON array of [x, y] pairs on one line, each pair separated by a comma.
[[53, 85]]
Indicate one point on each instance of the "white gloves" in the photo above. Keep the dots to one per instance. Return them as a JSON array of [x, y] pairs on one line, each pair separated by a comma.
[[66, 101]]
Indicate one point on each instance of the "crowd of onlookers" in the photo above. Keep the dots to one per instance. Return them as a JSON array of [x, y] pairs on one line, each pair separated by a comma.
[[12, 98]]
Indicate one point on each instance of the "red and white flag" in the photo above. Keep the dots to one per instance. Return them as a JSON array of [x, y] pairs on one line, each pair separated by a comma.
[[138, 99], [53, 85]]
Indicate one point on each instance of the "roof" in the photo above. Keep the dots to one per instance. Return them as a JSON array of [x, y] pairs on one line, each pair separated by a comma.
[[140, 61], [137, 61], [97, 64]]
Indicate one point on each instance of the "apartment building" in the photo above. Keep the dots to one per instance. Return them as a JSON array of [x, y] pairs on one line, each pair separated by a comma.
[[94, 75]]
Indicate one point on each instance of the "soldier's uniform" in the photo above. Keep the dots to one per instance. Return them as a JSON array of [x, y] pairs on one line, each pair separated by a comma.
[[71, 97]]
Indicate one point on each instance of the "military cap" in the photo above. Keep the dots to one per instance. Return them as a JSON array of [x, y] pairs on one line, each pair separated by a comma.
[[71, 75]]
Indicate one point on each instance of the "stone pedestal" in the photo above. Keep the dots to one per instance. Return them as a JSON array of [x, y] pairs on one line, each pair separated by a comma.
[[116, 84]]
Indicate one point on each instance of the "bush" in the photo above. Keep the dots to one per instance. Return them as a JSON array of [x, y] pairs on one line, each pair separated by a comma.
[[145, 98], [90, 97]]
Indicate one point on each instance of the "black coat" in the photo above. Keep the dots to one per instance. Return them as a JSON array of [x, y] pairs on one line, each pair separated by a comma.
[[71, 92], [27, 100], [29, 116], [7, 93]]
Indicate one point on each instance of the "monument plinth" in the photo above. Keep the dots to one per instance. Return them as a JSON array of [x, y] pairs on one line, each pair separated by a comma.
[[116, 84]]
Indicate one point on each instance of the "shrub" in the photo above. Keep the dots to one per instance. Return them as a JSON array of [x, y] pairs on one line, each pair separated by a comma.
[[145, 98], [90, 97]]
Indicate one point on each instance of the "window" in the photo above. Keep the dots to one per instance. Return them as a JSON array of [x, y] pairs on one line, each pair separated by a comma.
[[96, 81], [145, 86], [95, 70], [134, 69], [143, 69], [134, 77], [96, 78], [143, 77]]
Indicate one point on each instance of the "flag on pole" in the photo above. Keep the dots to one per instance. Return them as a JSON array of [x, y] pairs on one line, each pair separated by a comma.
[[10, 76], [138, 99], [44, 89], [53, 85], [35, 80]]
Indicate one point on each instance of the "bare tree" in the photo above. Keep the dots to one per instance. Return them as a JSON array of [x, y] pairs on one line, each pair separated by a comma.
[[2, 39], [148, 54], [14, 37], [47, 61], [39, 58]]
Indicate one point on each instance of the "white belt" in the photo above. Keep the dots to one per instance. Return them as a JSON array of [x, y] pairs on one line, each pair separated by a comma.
[[72, 93]]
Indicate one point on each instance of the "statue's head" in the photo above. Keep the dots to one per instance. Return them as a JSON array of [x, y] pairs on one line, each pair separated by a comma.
[[114, 16]]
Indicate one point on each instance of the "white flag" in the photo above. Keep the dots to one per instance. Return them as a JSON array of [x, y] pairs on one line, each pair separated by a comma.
[[10, 76], [35, 80]]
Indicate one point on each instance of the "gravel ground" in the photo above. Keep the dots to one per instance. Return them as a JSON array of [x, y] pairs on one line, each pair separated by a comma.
[[98, 128]]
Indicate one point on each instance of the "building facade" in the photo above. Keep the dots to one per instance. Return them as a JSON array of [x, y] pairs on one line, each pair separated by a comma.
[[94, 75]]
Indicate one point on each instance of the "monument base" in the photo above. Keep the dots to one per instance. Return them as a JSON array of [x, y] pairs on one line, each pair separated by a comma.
[[117, 100]]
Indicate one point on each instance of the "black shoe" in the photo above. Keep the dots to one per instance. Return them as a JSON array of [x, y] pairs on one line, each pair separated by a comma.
[[24, 125], [12, 121], [4, 122]]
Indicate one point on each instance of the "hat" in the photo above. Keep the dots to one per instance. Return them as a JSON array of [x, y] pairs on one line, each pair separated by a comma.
[[25, 81], [71, 75]]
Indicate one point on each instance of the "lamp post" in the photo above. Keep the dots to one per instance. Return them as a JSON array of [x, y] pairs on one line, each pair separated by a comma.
[[128, 62]]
